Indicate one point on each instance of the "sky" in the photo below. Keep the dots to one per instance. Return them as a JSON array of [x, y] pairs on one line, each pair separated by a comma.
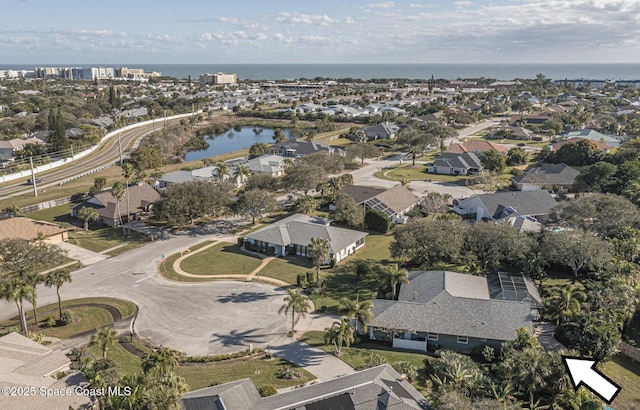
[[319, 31]]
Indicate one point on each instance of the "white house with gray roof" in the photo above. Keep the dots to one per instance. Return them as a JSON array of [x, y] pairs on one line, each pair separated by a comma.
[[451, 163], [292, 235], [455, 311]]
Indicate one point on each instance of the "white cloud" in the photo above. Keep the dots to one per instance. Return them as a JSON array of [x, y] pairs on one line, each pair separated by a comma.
[[383, 5]]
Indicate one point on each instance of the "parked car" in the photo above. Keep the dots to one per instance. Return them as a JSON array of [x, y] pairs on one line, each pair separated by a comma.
[[30, 181]]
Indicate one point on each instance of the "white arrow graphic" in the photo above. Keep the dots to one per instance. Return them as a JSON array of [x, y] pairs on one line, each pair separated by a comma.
[[582, 372]]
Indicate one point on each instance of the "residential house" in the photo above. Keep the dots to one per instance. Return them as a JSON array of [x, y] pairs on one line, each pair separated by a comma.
[[501, 205], [382, 131], [24, 362], [548, 176], [450, 163], [141, 200], [209, 173], [476, 146], [599, 145], [455, 311], [511, 132], [292, 236], [394, 202], [592, 135], [10, 147], [298, 148], [376, 388], [267, 164], [29, 229]]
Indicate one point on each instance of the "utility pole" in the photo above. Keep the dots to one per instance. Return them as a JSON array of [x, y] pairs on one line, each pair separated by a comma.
[[33, 177]]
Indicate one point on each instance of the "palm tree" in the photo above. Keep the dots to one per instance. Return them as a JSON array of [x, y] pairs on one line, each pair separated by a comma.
[[127, 172], [161, 361], [87, 214], [243, 173], [57, 278], [340, 333], [118, 190], [318, 250], [33, 280], [565, 303], [16, 290], [104, 338], [358, 311], [393, 276], [295, 302], [223, 169]]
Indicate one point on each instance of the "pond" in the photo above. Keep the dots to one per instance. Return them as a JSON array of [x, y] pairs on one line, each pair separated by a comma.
[[233, 140]]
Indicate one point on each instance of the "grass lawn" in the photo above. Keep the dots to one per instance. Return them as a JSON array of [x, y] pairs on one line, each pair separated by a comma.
[[376, 247], [262, 372], [128, 364], [99, 239], [60, 215], [166, 269], [626, 373], [417, 173], [287, 269], [88, 317], [221, 259], [340, 142], [535, 144]]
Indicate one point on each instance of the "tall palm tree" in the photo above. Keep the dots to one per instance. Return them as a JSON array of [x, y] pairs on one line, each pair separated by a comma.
[[17, 290], [105, 338], [393, 276], [57, 278], [340, 333], [118, 190], [358, 311], [295, 302], [33, 280], [223, 169], [127, 172], [318, 250], [87, 214]]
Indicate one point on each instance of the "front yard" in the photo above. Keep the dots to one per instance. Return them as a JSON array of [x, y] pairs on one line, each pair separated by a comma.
[[221, 259]]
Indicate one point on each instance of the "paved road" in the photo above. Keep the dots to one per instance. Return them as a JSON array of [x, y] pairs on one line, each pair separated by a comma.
[[199, 319], [105, 155]]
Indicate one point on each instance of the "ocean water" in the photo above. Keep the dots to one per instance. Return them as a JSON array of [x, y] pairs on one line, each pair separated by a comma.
[[371, 71]]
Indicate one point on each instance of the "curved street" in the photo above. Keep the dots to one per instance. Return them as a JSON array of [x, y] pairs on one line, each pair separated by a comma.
[[106, 154]]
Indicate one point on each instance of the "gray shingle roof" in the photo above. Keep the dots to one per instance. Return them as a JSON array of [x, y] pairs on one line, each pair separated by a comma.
[[360, 193], [549, 174], [454, 304], [299, 229], [453, 160], [237, 395], [366, 389], [533, 203], [300, 148], [178, 177]]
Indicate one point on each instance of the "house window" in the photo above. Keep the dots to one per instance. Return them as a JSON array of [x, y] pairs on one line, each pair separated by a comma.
[[463, 340], [432, 336]]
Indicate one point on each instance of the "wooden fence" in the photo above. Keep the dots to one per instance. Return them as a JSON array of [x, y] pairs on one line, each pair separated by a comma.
[[629, 351]]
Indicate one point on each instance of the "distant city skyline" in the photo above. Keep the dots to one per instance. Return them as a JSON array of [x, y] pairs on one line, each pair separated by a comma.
[[254, 31]]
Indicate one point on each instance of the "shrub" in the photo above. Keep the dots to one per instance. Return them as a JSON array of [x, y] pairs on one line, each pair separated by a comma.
[[266, 391], [301, 280], [271, 251], [67, 317], [377, 221], [406, 368], [49, 321], [311, 277], [240, 240]]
